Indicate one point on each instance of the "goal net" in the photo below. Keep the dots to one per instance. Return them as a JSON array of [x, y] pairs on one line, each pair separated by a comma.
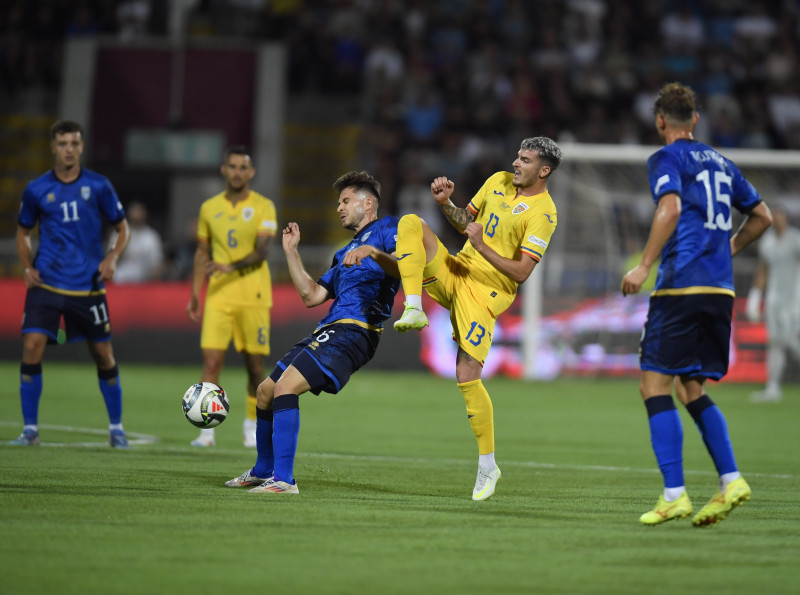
[[570, 318]]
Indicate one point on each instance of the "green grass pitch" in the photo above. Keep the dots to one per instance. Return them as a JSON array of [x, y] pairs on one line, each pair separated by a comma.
[[385, 471]]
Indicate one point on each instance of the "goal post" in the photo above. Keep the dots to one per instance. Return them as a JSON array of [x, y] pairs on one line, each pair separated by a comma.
[[604, 215]]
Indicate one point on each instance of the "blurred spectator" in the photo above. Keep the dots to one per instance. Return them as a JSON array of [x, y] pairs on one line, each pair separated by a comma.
[[181, 257], [682, 29], [133, 18], [144, 256], [756, 26]]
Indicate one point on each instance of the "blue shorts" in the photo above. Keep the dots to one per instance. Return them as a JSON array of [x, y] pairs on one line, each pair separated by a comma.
[[85, 316], [688, 335], [328, 357]]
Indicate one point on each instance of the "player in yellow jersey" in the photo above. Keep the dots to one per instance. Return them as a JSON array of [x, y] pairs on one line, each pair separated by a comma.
[[508, 225], [234, 233]]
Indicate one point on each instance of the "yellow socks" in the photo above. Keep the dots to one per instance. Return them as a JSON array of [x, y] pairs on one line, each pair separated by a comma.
[[410, 254], [250, 411], [480, 413]]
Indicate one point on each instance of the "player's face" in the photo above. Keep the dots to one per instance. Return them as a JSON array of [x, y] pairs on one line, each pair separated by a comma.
[[527, 168], [67, 149], [352, 208], [238, 171]]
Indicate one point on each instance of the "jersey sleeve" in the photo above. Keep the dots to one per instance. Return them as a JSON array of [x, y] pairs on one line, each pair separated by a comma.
[[269, 222], [537, 235], [203, 227], [29, 209], [109, 202], [663, 173]]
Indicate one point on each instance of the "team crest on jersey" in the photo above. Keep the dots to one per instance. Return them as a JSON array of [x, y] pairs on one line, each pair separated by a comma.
[[247, 213], [51, 197], [366, 235], [86, 192], [521, 207]]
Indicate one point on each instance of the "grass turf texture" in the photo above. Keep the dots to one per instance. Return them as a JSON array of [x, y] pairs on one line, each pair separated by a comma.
[[385, 471]]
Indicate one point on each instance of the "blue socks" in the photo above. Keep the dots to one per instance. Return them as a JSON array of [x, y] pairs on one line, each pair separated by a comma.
[[112, 393], [666, 436], [714, 430], [265, 455], [30, 391], [285, 430]]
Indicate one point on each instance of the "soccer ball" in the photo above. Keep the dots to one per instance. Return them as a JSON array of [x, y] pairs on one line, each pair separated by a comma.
[[205, 405]]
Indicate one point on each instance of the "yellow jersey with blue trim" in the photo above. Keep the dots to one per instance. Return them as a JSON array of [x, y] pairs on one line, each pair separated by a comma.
[[512, 224], [231, 232]]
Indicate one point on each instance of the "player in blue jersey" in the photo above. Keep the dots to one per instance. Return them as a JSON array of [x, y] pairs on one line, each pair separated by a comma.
[[687, 334], [66, 279], [362, 281]]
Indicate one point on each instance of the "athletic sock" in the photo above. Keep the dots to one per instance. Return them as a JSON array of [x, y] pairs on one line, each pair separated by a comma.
[[285, 431], [480, 414], [487, 461], [112, 393], [265, 455], [410, 254], [714, 430], [250, 408], [30, 391], [666, 436]]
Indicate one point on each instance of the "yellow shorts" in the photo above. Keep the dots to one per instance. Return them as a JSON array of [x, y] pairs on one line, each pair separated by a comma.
[[447, 281], [248, 326]]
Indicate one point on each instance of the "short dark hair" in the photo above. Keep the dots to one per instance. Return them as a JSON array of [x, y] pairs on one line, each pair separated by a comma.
[[675, 101], [63, 127], [546, 148], [361, 181], [236, 150]]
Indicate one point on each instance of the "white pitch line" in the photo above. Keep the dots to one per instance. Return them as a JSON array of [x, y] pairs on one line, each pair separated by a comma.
[[134, 438], [143, 439]]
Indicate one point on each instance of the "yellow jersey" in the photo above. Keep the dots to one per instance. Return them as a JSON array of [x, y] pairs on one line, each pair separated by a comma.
[[511, 224], [231, 232]]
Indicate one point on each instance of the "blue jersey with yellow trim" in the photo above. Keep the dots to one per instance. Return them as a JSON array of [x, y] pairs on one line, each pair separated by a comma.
[[364, 293], [71, 218], [697, 256]]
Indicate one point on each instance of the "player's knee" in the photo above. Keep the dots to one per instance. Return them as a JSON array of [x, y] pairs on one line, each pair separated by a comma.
[[265, 393]]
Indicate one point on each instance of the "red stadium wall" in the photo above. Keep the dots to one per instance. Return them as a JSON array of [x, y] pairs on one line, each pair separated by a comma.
[[149, 323]]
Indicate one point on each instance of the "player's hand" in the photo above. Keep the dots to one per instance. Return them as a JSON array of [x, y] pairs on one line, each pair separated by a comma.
[[291, 236], [193, 309], [356, 255], [31, 277], [217, 267], [634, 279], [108, 267], [442, 189], [474, 231]]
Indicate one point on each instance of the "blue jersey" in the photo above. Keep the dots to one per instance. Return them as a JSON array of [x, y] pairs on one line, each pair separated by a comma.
[[697, 256], [71, 218], [363, 294]]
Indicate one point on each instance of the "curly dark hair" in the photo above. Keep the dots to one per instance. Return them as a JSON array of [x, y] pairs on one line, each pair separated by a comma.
[[676, 102]]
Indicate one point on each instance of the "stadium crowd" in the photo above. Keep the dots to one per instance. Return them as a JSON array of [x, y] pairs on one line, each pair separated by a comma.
[[445, 87]]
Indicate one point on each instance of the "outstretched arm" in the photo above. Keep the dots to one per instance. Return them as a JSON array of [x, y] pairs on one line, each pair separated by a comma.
[[311, 292]]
